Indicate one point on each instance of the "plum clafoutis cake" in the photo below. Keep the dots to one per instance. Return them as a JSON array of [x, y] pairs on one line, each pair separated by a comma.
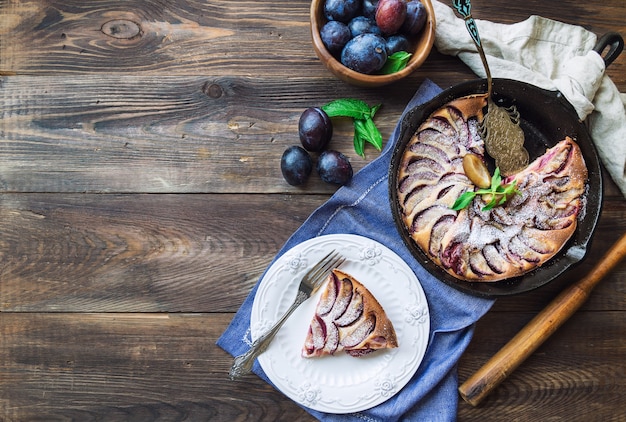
[[481, 243], [349, 319]]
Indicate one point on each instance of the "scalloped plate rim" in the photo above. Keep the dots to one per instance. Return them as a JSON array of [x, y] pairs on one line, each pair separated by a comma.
[[327, 384]]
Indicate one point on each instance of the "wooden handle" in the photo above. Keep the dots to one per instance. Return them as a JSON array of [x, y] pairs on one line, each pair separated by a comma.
[[503, 363]]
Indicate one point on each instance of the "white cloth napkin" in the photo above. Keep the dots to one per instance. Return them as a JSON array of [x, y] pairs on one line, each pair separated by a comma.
[[554, 56]]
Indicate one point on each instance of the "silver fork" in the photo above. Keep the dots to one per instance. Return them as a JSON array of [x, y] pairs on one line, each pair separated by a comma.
[[309, 284]]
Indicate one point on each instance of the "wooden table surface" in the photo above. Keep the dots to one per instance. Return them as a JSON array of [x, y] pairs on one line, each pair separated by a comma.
[[141, 198]]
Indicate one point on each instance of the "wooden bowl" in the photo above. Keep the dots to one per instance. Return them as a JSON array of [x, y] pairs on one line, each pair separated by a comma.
[[422, 43]]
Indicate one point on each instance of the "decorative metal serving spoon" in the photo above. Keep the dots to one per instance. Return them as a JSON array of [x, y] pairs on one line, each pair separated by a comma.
[[504, 138]]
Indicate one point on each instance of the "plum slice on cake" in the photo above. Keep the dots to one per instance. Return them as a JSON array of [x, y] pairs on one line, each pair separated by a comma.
[[348, 318]]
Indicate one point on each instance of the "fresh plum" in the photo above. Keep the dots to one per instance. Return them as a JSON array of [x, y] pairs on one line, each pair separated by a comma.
[[334, 167], [369, 8], [296, 165], [362, 25], [415, 18], [397, 43], [390, 15], [365, 53], [342, 10], [315, 129], [335, 35]]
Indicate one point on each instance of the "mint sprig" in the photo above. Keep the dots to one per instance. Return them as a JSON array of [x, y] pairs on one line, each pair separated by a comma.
[[396, 62], [362, 114], [499, 193]]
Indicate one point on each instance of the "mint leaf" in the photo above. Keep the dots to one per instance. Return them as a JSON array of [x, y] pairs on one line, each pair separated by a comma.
[[347, 107], [374, 110], [499, 193], [511, 188], [373, 135], [396, 62], [496, 179], [463, 201], [490, 205], [365, 129], [359, 140]]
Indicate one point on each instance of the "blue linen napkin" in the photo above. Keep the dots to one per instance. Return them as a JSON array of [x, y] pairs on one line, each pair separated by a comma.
[[362, 207]]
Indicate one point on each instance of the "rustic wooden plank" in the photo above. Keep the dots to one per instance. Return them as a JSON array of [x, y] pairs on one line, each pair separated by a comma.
[[562, 380], [188, 253], [195, 37], [170, 134], [126, 367], [143, 253], [182, 36], [84, 365], [164, 134]]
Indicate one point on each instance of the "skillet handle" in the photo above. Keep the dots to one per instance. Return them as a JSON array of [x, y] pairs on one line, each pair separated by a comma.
[[614, 41]]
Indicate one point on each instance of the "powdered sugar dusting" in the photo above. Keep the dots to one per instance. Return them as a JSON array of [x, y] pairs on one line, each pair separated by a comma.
[[487, 245]]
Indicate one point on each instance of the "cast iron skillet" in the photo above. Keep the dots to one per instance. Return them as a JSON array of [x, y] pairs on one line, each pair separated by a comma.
[[546, 118]]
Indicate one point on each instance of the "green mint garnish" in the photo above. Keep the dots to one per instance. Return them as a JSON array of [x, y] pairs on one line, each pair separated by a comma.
[[362, 114], [396, 62], [348, 107], [499, 193]]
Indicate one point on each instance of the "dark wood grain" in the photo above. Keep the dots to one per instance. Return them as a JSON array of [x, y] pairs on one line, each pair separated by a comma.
[[561, 379], [163, 134], [170, 134], [141, 198], [190, 37], [154, 366], [178, 253], [140, 253], [140, 367]]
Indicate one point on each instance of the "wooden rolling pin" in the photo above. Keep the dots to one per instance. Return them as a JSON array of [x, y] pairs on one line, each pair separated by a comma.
[[503, 363]]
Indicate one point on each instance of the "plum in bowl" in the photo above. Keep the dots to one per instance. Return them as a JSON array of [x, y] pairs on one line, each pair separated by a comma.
[[419, 46]]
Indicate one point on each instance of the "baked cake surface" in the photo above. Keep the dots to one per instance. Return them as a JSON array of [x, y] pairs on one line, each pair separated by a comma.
[[348, 318], [473, 244]]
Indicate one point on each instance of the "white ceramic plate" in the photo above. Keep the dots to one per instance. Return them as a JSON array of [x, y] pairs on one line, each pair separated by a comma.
[[341, 383]]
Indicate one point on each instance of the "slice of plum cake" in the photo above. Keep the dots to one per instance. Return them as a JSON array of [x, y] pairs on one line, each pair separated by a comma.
[[348, 318]]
